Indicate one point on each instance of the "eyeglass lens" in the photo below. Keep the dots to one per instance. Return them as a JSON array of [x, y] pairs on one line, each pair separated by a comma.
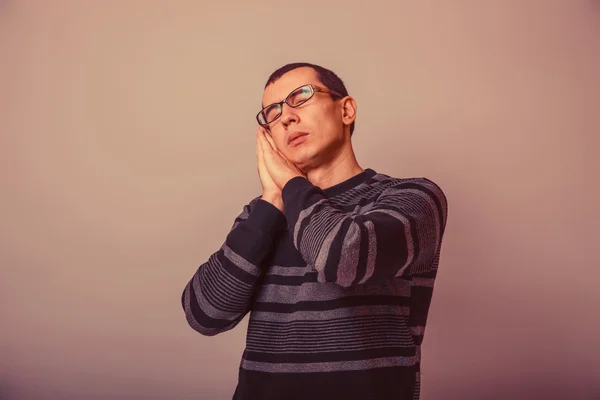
[[296, 98]]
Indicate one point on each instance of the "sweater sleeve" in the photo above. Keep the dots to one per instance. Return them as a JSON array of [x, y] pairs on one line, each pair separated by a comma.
[[396, 235], [219, 293]]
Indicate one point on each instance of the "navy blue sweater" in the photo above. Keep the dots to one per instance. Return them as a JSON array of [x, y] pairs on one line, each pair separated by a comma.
[[338, 288]]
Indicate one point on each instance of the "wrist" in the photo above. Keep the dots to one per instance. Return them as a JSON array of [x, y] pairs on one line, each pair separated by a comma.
[[271, 195], [275, 199], [292, 177]]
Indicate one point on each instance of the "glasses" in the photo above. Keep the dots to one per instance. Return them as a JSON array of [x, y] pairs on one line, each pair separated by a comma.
[[295, 99]]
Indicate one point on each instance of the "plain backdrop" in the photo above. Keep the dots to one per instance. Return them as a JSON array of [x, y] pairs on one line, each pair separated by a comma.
[[127, 144]]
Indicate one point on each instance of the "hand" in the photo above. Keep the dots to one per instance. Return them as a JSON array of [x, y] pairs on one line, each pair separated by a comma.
[[269, 188], [280, 169]]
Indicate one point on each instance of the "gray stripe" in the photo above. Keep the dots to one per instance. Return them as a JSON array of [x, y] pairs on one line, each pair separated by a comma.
[[329, 314], [346, 272], [329, 366], [423, 282], [356, 343], [380, 177], [217, 284], [207, 307], [434, 210], [372, 254], [241, 218], [321, 259], [288, 271], [239, 261], [316, 291], [409, 241], [321, 223], [304, 214], [188, 311]]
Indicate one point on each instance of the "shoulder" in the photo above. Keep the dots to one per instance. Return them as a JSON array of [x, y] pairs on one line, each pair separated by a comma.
[[391, 183], [411, 186]]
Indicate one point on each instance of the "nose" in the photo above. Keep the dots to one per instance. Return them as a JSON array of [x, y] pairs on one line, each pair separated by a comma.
[[288, 115]]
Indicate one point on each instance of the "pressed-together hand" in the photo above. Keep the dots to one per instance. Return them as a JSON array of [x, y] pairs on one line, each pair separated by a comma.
[[279, 168], [269, 187]]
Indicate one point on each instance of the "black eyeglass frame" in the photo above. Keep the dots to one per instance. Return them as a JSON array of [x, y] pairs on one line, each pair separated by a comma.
[[314, 89]]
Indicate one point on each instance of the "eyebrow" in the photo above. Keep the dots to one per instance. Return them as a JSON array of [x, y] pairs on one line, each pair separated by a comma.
[[263, 106]]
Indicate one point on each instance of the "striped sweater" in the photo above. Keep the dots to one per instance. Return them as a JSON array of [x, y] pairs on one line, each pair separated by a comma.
[[338, 288]]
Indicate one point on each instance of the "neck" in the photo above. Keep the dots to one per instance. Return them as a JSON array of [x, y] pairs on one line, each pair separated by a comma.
[[342, 167]]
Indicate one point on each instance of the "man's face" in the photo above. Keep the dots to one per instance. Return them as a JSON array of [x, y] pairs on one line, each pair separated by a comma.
[[320, 117]]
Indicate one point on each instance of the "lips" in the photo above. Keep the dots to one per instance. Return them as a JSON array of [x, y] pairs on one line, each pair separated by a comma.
[[296, 135]]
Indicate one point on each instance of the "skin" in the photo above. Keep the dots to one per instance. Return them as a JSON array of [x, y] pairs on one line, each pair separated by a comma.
[[326, 156]]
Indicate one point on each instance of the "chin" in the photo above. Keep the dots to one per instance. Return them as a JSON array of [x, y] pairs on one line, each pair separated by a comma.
[[303, 162], [302, 156], [296, 159]]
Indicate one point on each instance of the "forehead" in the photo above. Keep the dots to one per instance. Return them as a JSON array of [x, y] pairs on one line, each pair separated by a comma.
[[289, 81]]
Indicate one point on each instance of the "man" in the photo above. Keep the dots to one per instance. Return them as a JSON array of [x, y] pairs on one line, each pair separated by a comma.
[[335, 263]]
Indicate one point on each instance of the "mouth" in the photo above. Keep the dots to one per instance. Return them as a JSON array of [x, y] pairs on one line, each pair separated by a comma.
[[296, 138]]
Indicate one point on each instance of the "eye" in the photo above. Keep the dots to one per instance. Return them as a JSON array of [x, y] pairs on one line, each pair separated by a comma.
[[272, 112], [299, 96]]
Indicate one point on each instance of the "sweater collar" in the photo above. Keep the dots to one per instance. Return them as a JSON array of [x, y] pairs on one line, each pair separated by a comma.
[[349, 183]]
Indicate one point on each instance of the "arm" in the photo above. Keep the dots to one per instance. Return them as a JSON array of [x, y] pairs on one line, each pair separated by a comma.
[[397, 234], [218, 296]]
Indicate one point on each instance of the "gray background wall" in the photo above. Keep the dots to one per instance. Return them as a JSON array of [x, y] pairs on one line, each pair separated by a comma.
[[127, 149]]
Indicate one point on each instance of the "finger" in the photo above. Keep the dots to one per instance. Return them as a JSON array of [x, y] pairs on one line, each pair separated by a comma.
[[265, 147], [261, 140], [264, 141], [271, 141], [260, 132], [273, 146], [258, 150], [258, 146], [259, 143], [260, 160]]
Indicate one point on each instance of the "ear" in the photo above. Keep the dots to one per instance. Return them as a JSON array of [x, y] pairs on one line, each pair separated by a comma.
[[348, 105]]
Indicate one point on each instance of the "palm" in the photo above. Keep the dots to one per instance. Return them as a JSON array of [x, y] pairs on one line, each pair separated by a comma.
[[280, 169]]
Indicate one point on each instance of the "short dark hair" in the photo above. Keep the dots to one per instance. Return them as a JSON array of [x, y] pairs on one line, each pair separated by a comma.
[[327, 77]]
